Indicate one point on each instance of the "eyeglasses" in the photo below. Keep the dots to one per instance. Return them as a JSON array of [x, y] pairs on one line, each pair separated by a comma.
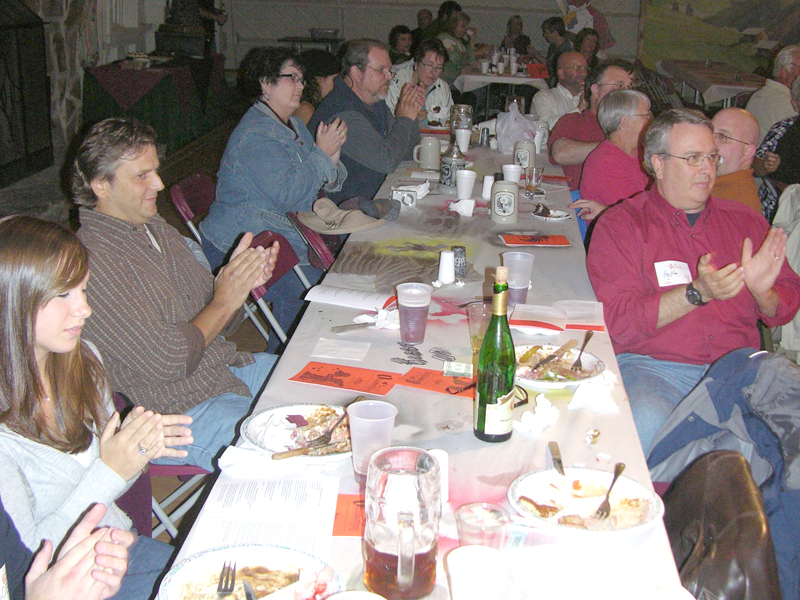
[[724, 139], [387, 73], [434, 68], [294, 77], [695, 160], [619, 85], [577, 69], [648, 114]]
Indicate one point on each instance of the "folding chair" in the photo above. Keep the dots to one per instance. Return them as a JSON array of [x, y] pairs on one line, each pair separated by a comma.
[[287, 261], [134, 501], [192, 198], [167, 519], [321, 248]]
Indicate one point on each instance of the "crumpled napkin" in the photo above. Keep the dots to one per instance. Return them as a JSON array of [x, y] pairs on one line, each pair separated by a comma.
[[534, 422], [595, 395], [463, 207], [387, 318], [422, 189]]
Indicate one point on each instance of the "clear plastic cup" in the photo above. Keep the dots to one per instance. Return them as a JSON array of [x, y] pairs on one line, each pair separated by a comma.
[[520, 265], [371, 424], [478, 316], [413, 300]]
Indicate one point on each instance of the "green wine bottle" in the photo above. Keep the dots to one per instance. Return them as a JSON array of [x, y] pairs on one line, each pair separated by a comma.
[[494, 393]]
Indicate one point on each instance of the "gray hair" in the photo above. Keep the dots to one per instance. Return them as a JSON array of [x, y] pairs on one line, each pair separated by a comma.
[[655, 140], [795, 90], [784, 59], [617, 105], [356, 54]]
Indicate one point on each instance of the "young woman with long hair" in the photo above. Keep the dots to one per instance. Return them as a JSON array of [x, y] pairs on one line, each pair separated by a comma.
[[63, 448]]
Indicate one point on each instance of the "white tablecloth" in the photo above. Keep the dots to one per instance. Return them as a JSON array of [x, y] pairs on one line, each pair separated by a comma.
[[477, 471]]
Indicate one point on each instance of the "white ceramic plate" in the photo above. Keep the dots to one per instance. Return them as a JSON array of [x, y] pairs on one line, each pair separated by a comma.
[[549, 488], [207, 565], [266, 430], [588, 360], [555, 215]]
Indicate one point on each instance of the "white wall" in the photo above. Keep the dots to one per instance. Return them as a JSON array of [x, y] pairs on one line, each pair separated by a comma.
[[260, 22]]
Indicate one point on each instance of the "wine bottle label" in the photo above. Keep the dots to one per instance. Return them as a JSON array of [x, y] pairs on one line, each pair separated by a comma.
[[499, 417]]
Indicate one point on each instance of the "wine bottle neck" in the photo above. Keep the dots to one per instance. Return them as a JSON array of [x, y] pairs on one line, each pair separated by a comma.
[[500, 300]]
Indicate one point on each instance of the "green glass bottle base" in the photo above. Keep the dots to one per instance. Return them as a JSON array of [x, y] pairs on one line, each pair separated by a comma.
[[503, 437]]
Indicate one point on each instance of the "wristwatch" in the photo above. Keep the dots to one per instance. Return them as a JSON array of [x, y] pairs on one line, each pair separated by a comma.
[[693, 296]]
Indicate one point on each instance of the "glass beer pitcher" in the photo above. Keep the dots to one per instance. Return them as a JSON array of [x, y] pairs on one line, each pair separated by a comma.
[[401, 536]]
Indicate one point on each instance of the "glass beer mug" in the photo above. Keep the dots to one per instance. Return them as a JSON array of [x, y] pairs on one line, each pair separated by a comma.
[[460, 117], [401, 535]]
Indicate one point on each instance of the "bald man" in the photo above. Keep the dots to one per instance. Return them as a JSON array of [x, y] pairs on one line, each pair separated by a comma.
[[736, 135], [567, 97]]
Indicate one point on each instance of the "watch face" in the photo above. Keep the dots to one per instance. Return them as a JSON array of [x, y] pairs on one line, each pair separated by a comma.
[[693, 296]]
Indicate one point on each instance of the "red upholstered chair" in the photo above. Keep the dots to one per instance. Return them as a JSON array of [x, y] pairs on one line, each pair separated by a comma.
[[321, 248], [287, 261], [192, 197]]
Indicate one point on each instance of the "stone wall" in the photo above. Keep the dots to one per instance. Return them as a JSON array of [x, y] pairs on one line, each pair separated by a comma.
[[70, 43]]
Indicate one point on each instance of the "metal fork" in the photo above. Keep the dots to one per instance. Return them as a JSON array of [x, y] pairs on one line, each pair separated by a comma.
[[578, 365], [227, 578], [325, 438], [605, 506]]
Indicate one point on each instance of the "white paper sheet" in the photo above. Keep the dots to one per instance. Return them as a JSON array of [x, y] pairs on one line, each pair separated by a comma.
[[328, 294], [297, 513], [328, 348]]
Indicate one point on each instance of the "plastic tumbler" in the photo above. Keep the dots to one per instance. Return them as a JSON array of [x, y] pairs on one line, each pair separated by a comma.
[[371, 424], [482, 524], [465, 181], [520, 265], [413, 300]]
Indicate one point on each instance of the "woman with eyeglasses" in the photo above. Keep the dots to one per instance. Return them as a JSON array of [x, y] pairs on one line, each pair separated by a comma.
[[425, 71], [613, 171], [272, 165]]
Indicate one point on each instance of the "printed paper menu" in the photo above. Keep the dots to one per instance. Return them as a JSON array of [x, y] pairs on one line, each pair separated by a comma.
[[564, 314], [369, 381], [329, 294], [534, 239]]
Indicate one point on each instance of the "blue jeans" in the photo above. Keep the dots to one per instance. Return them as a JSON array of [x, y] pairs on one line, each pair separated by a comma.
[[148, 560], [655, 387], [286, 294], [215, 422]]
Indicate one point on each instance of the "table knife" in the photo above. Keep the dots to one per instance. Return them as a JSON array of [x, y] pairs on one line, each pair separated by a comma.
[[341, 328], [555, 453], [557, 354]]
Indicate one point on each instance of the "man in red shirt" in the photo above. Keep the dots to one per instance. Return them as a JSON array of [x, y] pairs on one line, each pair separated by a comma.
[[684, 276], [575, 135]]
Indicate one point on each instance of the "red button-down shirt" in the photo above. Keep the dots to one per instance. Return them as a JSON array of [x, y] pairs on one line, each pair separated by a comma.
[[631, 237]]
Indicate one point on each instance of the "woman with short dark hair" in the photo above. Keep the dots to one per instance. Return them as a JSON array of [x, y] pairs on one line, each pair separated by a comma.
[[272, 165], [428, 64], [400, 44]]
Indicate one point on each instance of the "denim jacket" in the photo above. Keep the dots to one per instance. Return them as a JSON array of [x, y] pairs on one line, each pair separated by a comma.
[[267, 170]]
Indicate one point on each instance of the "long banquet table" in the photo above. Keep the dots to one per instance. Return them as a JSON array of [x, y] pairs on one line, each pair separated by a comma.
[[479, 471]]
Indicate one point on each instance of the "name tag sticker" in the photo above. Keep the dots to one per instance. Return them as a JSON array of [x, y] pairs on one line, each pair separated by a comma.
[[672, 272]]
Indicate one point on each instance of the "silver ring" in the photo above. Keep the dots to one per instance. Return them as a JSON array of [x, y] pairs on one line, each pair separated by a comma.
[[142, 451]]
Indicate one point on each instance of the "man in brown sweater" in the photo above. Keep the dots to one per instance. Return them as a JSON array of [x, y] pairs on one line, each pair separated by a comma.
[[159, 316]]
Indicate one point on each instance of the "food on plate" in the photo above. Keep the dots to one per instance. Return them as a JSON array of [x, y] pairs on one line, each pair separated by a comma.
[[316, 424], [558, 369], [435, 123], [284, 584], [543, 510], [573, 521], [540, 210], [588, 489]]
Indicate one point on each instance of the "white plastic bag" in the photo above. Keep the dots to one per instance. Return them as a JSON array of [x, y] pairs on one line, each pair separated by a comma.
[[513, 127]]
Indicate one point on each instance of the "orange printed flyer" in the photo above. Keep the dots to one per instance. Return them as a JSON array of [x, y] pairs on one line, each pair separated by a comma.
[[350, 517], [378, 383], [534, 239], [434, 381]]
